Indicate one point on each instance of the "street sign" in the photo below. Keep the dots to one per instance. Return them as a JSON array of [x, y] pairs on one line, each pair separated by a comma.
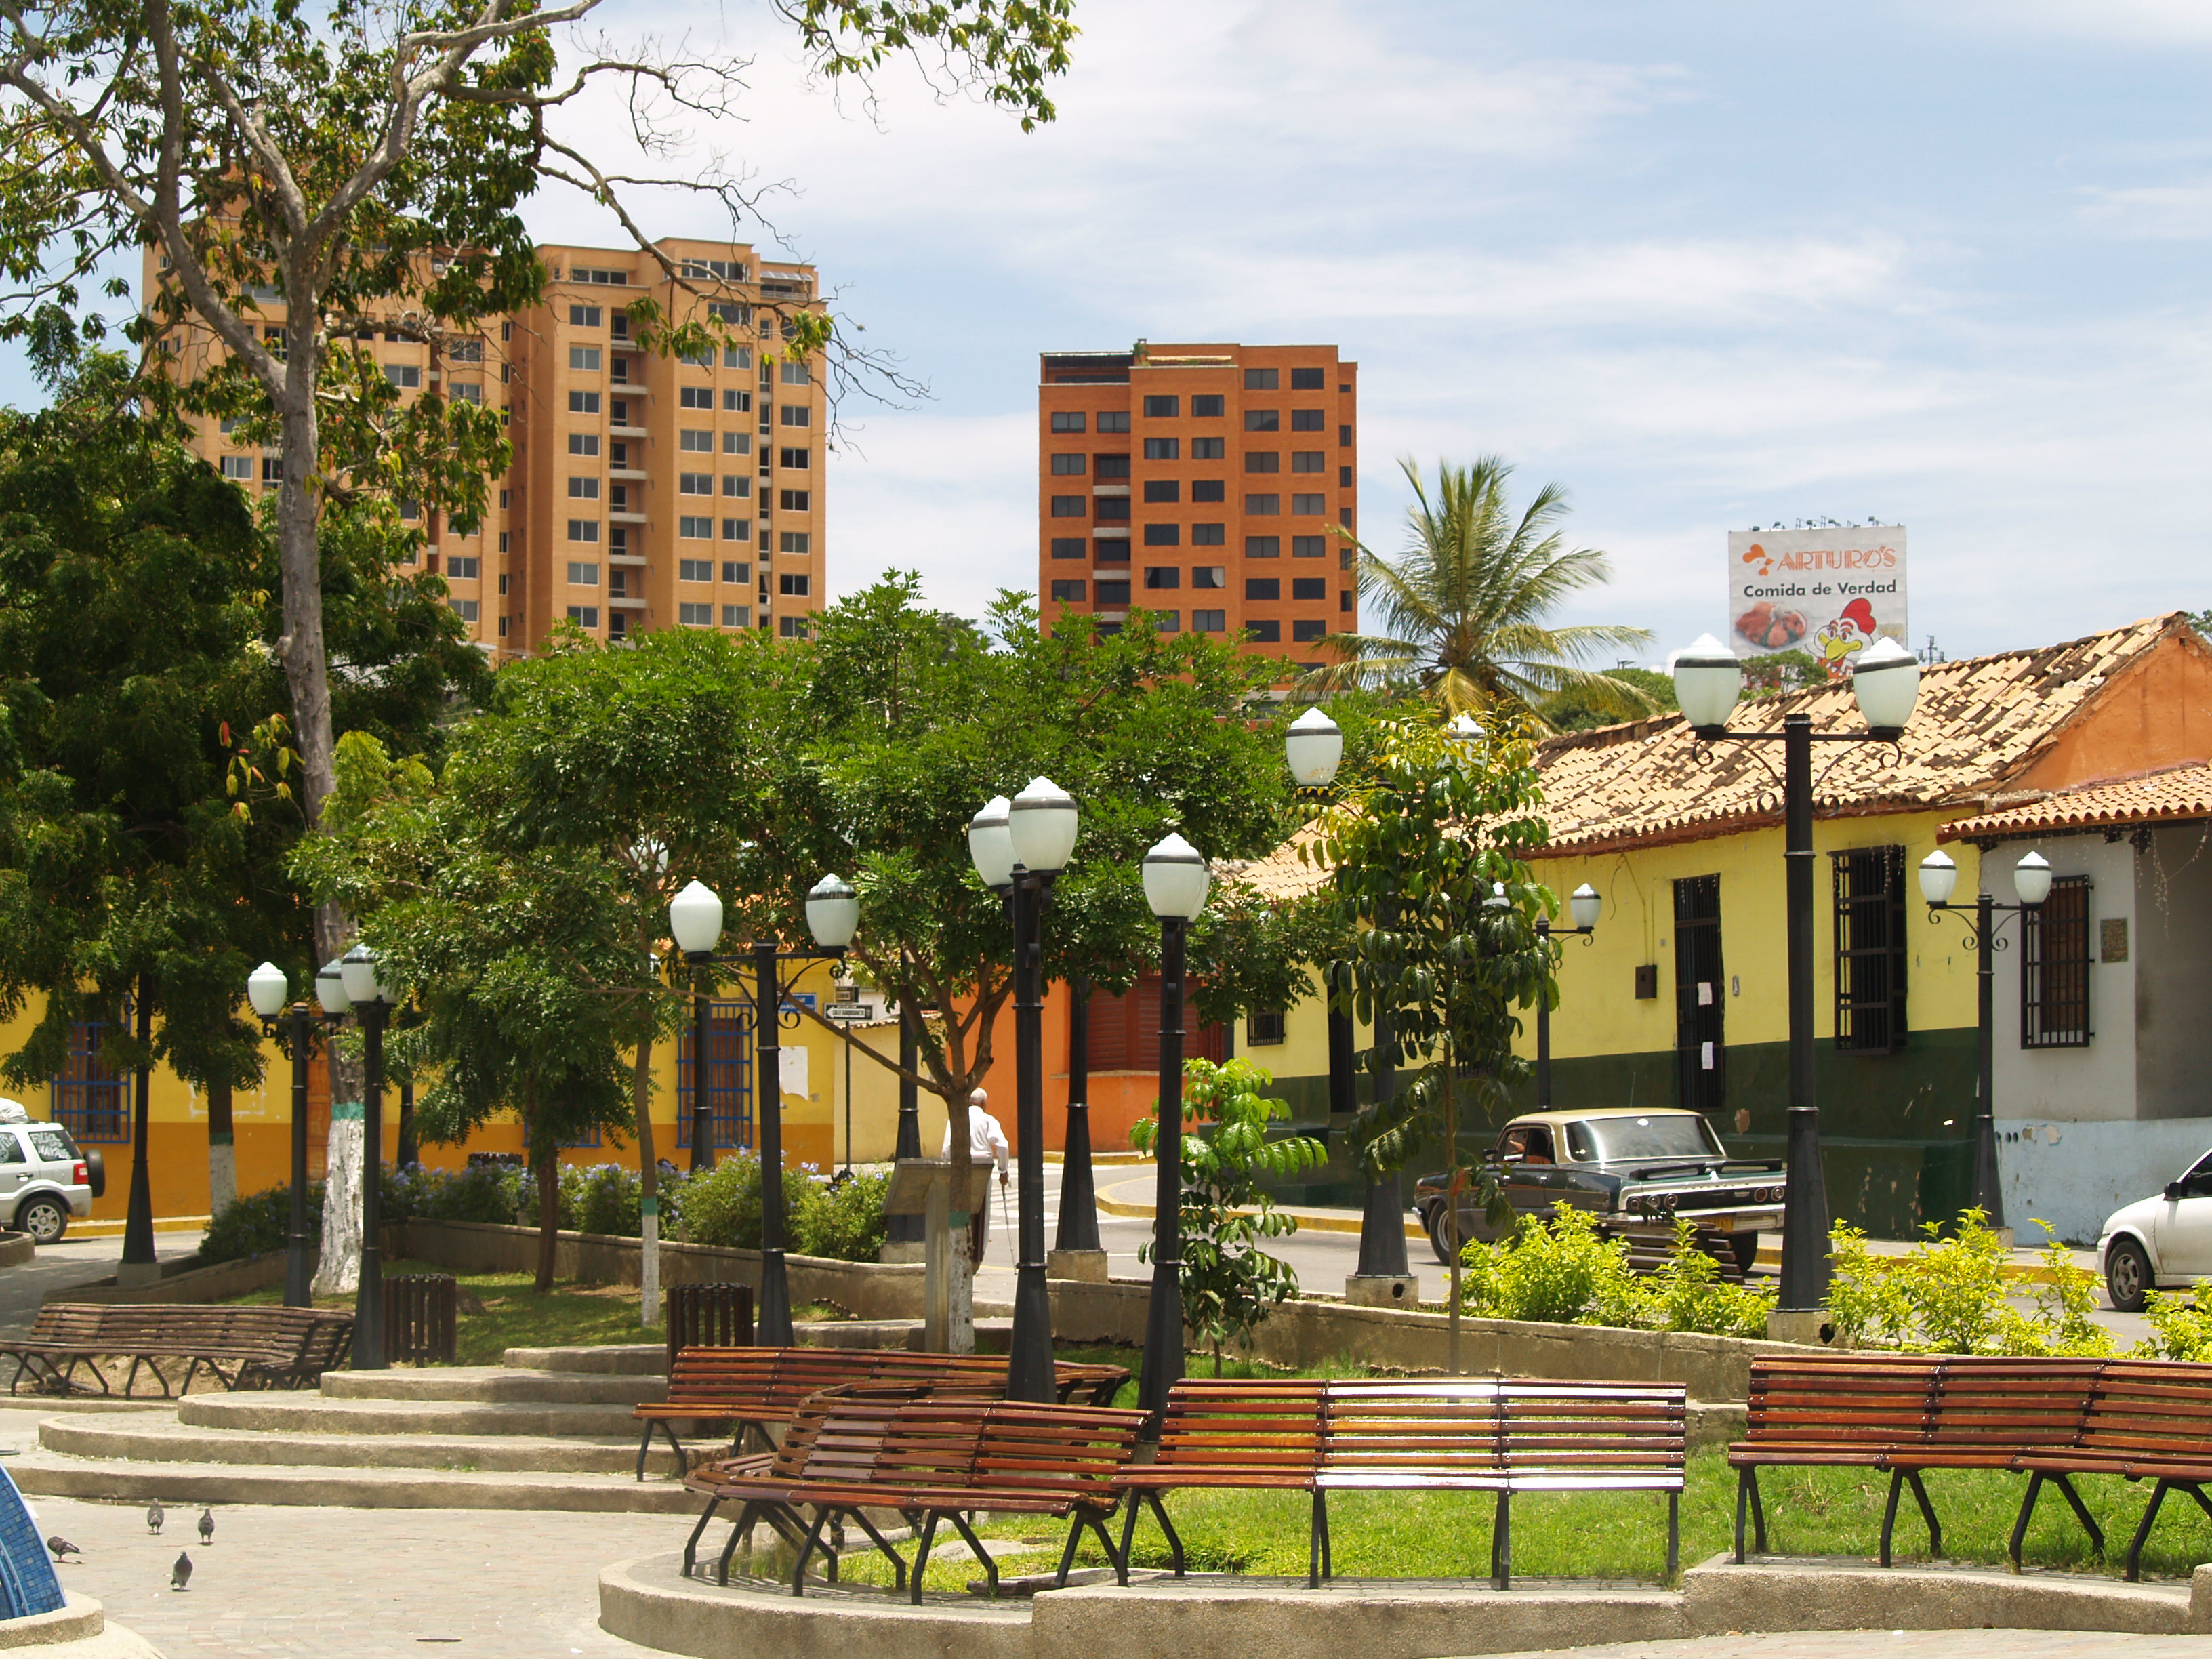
[[847, 1010]]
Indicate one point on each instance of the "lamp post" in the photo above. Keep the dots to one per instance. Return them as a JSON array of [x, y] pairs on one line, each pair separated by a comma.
[[371, 1004], [1021, 862], [695, 922], [1584, 904], [269, 990], [1176, 881], [1885, 681], [2031, 884]]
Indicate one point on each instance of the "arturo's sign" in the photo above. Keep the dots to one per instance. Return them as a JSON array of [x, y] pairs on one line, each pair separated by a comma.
[[1831, 591]]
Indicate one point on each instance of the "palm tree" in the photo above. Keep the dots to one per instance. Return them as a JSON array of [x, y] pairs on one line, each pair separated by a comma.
[[1463, 611]]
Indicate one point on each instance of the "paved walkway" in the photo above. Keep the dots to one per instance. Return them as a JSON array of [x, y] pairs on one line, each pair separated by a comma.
[[73, 1261], [1898, 1644]]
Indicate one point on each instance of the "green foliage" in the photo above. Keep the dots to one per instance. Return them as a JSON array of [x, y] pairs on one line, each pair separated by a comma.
[[610, 1202], [2181, 1325], [1777, 673], [1949, 1296], [1560, 1269], [1228, 1281], [257, 1223], [723, 1207], [1582, 707], [842, 1219]]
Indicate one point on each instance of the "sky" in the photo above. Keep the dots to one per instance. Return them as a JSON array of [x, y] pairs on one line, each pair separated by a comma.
[[1709, 265]]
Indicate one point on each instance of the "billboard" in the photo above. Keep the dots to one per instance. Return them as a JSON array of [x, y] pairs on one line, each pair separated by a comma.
[[1830, 592]]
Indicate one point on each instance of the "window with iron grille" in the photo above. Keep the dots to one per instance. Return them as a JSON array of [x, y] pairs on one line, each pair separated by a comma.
[[1700, 1039], [1264, 1028], [91, 1099], [729, 1075], [2054, 968], [1869, 883]]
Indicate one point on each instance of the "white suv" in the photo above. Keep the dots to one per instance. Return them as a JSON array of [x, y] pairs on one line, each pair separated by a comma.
[[43, 1178]]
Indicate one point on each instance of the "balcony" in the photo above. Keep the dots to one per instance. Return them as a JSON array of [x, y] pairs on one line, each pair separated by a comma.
[[625, 517], [626, 601], [627, 431], [630, 561], [628, 474]]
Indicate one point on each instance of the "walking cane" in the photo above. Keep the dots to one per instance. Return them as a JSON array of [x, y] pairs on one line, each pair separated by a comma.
[[1006, 1227]]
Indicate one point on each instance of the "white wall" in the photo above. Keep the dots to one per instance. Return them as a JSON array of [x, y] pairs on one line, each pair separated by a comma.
[[2072, 1175], [2068, 1086]]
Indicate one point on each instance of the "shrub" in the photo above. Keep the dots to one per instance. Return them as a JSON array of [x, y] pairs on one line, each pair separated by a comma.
[[1562, 1271], [722, 1206], [1949, 1296], [2181, 1325], [843, 1220], [608, 1201], [255, 1224], [1688, 1294]]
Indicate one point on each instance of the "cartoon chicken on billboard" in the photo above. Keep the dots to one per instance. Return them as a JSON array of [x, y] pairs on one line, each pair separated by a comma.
[[1849, 633]]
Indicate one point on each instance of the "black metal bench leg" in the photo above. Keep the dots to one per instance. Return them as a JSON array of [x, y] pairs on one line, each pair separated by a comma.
[[2142, 1533], [644, 1445], [1501, 1544], [691, 1544], [739, 1534], [1927, 1513], [2065, 1485], [1067, 1555], [1743, 1479], [682, 1463], [1889, 1511], [1313, 1538], [922, 1559], [1120, 1563], [806, 1550], [1673, 1535], [898, 1561], [1167, 1529], [975, 1544], [1327, 1560], [2027, 1509]]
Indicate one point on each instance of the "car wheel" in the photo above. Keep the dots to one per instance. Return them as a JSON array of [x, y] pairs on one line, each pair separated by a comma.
[[2127, 1275], [44, 1218], [1746, 1249], [1433, 1222]]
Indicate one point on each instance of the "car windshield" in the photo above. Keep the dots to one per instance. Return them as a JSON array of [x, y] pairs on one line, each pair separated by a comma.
[[1661, 1135], [52, 1146]]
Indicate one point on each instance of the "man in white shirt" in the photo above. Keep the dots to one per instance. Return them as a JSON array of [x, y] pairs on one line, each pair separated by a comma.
[[986, 1141]]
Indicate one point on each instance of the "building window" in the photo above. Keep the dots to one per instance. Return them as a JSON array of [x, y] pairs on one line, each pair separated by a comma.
[[695, 616], [694, 442], [1309, 507], [1067, 547], [1308, 547], [737, 443], [794, 541], [694, 527], [736, 616], [1208, 490], [737, 530], [1700, 1037], [791, 628], [583, 573], [1162, 490], [695, 570], [502, 628], [795, 584], [583, 316], [1067, 420], [583, 443], [1263, 420], [90, 1098], [797, 459], [1114, 420], [734, 572], [732, 484], [1869, 895], [1313, 628], [1262, 507], [795, 415], [1113, 549], [1109, 467], [1113, 593], [792, 374], [1261, 1030], [1163, 535], [1263, 460], [240, 467], [1206, 406], [583, 403], [1209, 535], [1344, 441], [1261, 379], [1162, 576], [737, 403], [1265, 632], [1307, 420], [1307, 461], [583, 490], [1209, 622], [695, 484], [1308, 588], [1210, 575], [794, 500], [583, 616], [1158, 409], [2054, 968], [406, 376], [1167, 621], [464, 609], [1070, 467], [1263, 587], [1163, 449], [1111, 509], [1344, 600], [583, 530], [584, 357], [1209, 449], [1263, 547], [468, 392], [1306, 379], [1071, 591], [466, 570], [595, 274]]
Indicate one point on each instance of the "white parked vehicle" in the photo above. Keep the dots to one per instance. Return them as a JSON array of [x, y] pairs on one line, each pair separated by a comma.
[[2160, 1242], [43, 1178]]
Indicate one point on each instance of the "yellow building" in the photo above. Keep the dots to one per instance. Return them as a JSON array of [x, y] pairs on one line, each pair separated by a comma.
[[1678, 997], [647, 491]]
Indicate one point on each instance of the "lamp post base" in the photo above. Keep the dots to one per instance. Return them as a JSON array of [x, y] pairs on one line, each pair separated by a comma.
[[1382, 1291], [904, 1250], [1812, 1327], [1088, 1266]]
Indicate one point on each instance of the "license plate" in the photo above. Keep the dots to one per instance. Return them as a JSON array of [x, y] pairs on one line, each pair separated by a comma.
[[1721, 1224]]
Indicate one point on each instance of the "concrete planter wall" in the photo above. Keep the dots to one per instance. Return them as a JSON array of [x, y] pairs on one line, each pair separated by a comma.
[[188, 1282]]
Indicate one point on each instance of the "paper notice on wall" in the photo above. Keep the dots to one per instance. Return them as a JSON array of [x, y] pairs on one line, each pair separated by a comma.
[[1705, 1055], [790, 1070], [1705, 993]]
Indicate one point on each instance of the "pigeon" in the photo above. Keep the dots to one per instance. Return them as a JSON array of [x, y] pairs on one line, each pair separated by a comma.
[[181, 1574], [61, 1546], [207, 1527], [154, 1517]]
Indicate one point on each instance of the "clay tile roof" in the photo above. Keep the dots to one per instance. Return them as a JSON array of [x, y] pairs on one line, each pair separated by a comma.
[[1979, 721], [2178, 794]]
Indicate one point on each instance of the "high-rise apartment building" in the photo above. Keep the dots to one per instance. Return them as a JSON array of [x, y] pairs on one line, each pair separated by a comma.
[[1204, 484], [646, 490]]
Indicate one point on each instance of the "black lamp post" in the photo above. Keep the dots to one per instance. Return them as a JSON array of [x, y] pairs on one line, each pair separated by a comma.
[[1585, 905], [371, 1005], [1885, 679], [2031, 881], [269, 990], [1176, 881], [694, 922], [1019, 848], [1078, 1228], [907, 1228]]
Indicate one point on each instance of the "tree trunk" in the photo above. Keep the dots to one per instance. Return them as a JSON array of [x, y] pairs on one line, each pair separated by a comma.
[[298, 559], [648, 1175], [960, 1334], [222, 1156], [549, 1215], [337, 1272]]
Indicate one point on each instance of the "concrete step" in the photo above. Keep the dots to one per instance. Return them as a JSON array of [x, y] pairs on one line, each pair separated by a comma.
[[185, 1484], [617, 1358], [311, 1413], [492, 1384], [159, 1438]]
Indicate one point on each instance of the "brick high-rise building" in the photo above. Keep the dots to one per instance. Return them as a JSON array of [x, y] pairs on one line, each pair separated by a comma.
[[1203, 483], [646, 491]]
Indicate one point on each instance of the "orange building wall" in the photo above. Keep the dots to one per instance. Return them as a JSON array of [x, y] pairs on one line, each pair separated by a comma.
[[2156, 713]]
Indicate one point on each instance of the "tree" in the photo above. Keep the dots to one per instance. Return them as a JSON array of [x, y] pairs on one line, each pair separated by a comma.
[[1428, 862], [1228, 1281], [1582, 709], [362, 166], [1463, 610]]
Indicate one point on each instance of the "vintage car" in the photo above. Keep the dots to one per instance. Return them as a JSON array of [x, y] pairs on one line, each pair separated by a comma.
[[1635, 1169]]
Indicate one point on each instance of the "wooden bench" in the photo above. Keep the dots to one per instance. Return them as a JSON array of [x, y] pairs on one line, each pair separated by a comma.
[[245, 1347], [931, 1457], [1482, 1434], [759, 1389], [2051, 1419]]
